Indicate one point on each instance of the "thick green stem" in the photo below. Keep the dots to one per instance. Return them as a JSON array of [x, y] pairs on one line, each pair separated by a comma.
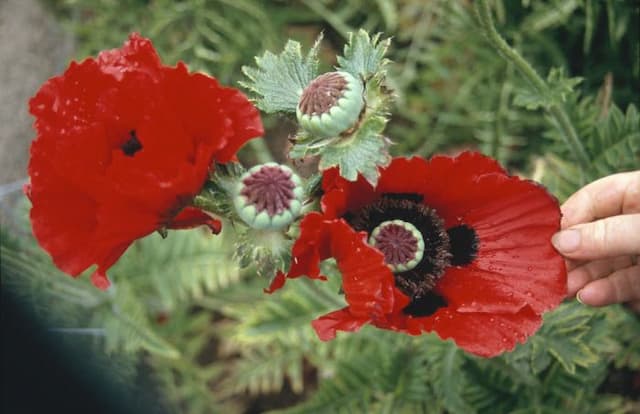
[[556, 111], [260, 150]]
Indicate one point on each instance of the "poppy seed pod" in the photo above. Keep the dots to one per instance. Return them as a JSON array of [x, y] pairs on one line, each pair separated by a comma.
[[269, 196], [331, 104]]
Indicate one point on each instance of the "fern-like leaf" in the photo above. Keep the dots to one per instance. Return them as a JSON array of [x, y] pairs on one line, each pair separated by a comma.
[[278, 80]]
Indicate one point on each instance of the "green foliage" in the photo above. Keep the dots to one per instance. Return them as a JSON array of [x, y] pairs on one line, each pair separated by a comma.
[[559, 87], [215, 36], [612, 139], [189, 266], [279, 80], [184, 310], [363, 55], [360, 154]]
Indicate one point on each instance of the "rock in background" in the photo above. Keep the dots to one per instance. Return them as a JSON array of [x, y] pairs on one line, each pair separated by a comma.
[[33, 47]]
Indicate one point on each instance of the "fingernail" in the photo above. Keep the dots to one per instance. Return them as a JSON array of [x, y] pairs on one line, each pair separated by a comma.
[[566, 240], [578, 298]]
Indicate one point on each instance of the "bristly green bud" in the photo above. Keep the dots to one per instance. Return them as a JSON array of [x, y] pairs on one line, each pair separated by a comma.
[[269, 196], [331, 104], [342, 114]]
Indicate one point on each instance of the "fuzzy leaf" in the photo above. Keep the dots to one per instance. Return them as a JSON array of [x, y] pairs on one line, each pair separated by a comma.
[[278, 80], [364, 55], [362, 153]]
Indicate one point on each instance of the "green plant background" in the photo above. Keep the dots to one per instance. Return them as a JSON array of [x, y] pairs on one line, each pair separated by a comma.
[[198, 325]]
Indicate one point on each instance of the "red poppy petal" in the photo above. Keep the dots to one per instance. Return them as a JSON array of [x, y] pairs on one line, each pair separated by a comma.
[[191, 217], [486, 335], [482, 334], [310, 248], [516, 265], [100, 280], [327, 325], [367, 281], [448, 185], [341, 195], [99, 277], [405, 175], [276, 283], [63, 221], [136, 55], [244, 121], [216, 116], [123, 144]]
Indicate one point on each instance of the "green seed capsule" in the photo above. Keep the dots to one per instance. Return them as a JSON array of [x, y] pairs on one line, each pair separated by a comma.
[[269, 196], [331, 104]]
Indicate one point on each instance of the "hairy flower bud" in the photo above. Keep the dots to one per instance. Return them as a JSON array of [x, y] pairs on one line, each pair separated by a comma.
[[269, 196], [331, 104]]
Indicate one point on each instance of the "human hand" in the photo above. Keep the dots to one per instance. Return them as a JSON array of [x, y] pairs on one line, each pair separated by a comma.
[[600, 240]]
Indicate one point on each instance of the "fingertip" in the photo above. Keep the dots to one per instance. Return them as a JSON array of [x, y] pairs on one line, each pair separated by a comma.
[[594, 295], [566, 241]]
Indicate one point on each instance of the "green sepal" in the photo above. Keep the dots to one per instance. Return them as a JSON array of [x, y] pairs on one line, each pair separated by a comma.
[[217, 194], [364, 55], [269, 251], [362, 153], [278, 80], [365, 148]]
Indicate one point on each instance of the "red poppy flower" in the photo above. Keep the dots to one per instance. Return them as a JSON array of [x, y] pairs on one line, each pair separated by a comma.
[[451, 245], [124, 144]]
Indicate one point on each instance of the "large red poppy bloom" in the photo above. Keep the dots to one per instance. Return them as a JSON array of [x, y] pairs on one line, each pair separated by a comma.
[[451, 245], [123, 145]]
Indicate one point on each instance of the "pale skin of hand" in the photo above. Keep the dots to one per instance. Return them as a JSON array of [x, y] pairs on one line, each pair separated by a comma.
[[600, 240]]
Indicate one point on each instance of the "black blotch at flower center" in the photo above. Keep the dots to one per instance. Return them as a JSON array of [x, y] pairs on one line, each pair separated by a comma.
[[425, 305], [464, 244], [269, 189], [132, 145], [457, 246], [422, 278]]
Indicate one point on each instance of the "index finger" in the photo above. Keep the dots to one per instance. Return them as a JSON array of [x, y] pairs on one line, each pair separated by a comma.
[[608, 196]]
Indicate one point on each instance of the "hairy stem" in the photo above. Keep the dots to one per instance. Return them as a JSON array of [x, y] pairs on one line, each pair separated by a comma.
[[511, 55], [260, 150]]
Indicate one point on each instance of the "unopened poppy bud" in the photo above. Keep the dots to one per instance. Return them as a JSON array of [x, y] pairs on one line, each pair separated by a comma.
[[269, 196], [331, 104]]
